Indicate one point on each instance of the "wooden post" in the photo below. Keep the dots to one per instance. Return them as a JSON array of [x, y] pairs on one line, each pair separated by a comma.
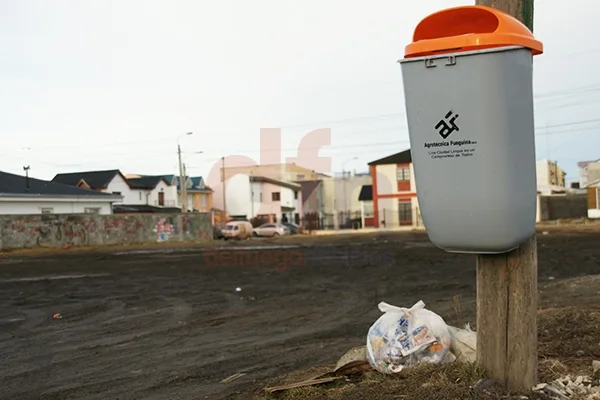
[[507, 294]]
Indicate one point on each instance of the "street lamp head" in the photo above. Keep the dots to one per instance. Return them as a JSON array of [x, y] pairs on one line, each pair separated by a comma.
[[189, 133]]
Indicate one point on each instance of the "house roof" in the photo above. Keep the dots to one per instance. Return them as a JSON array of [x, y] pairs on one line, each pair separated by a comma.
[[146, 182], [16, 186], [366, 193], [404, 157], [94, 179], [198, 184], [583, 164], [264, 179], [308, 187], [142, 208]]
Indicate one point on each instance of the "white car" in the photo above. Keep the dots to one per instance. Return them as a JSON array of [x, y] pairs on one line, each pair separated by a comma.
[[271, 230]]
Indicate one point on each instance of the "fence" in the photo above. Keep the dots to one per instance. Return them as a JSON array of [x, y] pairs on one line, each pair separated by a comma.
[[58, 230], [563, 207], [345, 220], [388, 218]]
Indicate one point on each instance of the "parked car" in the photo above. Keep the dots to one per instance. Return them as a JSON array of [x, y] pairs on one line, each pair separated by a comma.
[[294, 229], [270, 230], [237, 230]]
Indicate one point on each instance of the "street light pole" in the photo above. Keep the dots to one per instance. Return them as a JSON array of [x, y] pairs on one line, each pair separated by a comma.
[[224, 188], [344, 182], [182, 178]]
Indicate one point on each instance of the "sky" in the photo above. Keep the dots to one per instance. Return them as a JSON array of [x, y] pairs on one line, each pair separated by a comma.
[[117, 84]]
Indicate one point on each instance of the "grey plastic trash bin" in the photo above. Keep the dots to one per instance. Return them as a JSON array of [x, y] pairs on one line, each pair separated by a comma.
[[469, 104]]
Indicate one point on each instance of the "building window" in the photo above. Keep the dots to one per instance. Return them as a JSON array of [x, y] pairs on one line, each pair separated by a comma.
[[260, 197], [300, 177], [402, 174], [276, 196], [116, 193], [140, 196], [295, 195], [47, 210], [203, 201], [92, 210], [368, 209]]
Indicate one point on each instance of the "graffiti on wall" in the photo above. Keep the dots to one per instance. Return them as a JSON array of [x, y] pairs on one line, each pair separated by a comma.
[[127, 225], [165, 227], [187, 225], [53, 232]]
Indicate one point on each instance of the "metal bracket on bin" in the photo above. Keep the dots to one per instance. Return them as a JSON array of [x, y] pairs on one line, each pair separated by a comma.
[[429, 63]]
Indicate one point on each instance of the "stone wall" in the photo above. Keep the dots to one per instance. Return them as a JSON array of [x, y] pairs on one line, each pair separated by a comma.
[[58, 230], [563, 207]]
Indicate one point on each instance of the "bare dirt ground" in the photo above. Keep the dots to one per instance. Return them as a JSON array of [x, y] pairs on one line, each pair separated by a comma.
[[169, 324]]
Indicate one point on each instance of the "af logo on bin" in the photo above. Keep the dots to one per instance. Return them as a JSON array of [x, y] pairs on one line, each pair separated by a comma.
[[447, 125]]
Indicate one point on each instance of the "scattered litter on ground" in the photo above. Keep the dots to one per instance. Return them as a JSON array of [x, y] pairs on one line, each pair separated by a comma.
[[354, 354], [309, 382], [353, 362], [238, 289], [581, 387], [233, 377], [404, 337], [57, 316]]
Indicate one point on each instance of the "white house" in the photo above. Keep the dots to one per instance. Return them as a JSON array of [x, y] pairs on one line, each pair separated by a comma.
[[24, 195], [153, 191], [259, 196], [142, 191]]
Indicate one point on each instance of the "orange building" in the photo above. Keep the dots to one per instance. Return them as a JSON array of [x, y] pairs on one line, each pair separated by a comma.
[[394, 195]]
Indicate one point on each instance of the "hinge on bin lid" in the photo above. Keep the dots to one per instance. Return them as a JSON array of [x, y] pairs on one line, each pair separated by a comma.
[[429, 63], [451, 60]]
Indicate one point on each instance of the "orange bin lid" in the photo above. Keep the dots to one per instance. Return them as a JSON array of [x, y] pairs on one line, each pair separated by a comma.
[[469, 28]]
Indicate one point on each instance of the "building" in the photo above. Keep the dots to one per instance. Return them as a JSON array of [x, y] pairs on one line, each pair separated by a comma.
[[108, 181], [365, 197], [589, 172], [199, 196], [281, 172], [24, 195], [549, 174], [393, 190], [152, 191], [258, 196], [312, 196], [341, 193]]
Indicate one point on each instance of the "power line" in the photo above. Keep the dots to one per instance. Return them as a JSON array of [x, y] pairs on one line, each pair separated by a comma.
[[565, 92], [127, 157]]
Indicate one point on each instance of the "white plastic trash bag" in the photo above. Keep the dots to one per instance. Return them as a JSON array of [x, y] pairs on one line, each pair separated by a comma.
[[404, 337], [464, 343]]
